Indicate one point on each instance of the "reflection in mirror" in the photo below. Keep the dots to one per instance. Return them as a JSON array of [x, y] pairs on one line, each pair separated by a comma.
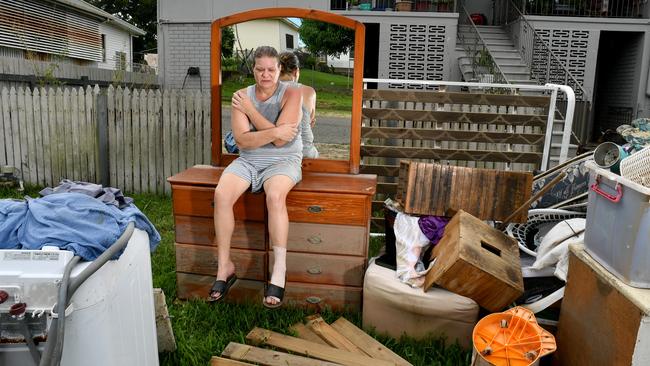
[[330, 76]]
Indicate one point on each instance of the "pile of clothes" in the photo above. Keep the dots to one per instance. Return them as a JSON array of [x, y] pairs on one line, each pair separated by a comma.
[[81, 217]]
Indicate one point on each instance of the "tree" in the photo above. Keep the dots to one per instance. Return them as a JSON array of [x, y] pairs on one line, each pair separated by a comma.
[[326, 38], [142, 14], [227, 42]]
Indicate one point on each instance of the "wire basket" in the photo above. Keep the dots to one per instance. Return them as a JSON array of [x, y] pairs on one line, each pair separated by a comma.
[[529, 235], [637, 167]]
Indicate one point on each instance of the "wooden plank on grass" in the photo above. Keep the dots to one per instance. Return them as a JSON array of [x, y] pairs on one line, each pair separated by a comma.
[[307, 348], [365, 342], [307, 334], [267, 357], [330, 335], [218, 361]]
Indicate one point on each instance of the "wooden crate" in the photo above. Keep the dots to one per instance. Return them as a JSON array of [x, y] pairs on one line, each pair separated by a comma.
[[434, 189], [477, 261], [603, 321]]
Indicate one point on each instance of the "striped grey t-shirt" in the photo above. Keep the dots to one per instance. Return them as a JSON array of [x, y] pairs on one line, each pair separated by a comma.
[[271, 109]]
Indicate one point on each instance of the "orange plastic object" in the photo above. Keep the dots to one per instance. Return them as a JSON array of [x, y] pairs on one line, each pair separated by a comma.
[[511, 338]]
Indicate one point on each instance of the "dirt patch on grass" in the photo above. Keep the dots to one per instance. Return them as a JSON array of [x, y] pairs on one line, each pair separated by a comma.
[[333, 151]]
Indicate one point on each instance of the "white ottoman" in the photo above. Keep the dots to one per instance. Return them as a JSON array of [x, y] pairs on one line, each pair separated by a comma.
[[394, 308]]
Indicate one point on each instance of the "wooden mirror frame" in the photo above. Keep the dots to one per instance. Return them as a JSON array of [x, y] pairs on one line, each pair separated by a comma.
[[314, 165]]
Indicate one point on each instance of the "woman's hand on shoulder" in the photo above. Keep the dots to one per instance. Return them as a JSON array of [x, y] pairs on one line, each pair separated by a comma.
[[242, 102]]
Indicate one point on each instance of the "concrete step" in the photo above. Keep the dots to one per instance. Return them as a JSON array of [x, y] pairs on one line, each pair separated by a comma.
[[501, 47], [490, 29], [507, 53], [516, 75], [485, 36], [513, 68]]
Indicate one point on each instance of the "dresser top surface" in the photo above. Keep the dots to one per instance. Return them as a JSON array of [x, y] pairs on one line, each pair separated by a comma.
[[206, 175]]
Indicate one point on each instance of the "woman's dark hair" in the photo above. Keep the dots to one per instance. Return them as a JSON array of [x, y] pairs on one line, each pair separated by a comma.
[[288, 63], [265, 51]]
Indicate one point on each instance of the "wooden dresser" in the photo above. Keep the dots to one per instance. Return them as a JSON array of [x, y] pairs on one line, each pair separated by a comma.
[[329, 216]]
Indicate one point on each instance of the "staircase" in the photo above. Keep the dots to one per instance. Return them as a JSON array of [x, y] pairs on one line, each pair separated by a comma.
[[502, 49], [507, 57]]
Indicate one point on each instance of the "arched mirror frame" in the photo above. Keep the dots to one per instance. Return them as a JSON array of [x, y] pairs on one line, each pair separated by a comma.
[[314, 165]]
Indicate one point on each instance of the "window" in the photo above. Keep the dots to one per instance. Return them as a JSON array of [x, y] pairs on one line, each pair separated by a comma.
[[103, 48], [289, 39], [120, 60]]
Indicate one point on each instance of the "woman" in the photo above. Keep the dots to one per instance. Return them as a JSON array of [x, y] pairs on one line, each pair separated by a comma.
[[266, 132], [290, 71]]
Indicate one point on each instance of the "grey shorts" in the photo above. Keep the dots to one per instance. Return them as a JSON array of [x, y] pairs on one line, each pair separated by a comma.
[[257, 172]]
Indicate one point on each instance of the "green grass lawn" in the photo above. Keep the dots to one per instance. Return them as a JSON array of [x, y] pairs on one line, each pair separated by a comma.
[[203, 330], [333, 92]]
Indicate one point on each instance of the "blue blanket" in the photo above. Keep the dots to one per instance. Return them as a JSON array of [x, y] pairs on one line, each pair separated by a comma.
[[70, 221]]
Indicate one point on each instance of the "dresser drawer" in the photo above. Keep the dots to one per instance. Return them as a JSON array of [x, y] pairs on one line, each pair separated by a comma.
[[324, 269], [329, 239], [190, 286], [200, 230], [320, 296], [198, 201], [328, 208], [198, 259]]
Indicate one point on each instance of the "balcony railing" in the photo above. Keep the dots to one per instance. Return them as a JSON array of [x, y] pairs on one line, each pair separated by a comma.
[[445, 6], [584, 8]]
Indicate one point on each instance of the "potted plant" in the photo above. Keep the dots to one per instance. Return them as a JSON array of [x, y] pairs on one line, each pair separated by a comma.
[[402, 5]]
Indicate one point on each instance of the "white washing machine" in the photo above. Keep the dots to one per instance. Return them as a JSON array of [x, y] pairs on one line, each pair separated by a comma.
[[110, 319]]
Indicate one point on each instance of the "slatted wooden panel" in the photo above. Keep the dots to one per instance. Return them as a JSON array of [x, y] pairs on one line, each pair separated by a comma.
[[477, 130], [52, 134], [434, 189]]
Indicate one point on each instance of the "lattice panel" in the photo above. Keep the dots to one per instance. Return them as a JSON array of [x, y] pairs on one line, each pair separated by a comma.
[[416, 52], [571, 48]]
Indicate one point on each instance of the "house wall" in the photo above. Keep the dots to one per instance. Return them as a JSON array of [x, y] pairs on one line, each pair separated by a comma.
[[184, 34], [181, 45], [583, 37], [264, 32], [285, 29], [412, 45], [117, 40]]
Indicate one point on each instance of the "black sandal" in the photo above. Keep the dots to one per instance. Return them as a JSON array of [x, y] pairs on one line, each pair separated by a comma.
[[221, 287], [272, 290]]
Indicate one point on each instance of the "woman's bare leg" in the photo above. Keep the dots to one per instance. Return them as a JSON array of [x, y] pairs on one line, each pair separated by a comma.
[[229, 189], [276, 189]]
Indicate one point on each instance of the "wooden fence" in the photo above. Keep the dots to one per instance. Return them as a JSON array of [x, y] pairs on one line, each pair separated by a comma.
[[129, 139]]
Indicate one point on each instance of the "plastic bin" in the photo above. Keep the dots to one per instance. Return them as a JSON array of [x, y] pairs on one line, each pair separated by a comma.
[[618, 226]]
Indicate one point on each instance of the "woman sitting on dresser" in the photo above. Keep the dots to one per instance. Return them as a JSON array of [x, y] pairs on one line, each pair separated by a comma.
[[266, 121]]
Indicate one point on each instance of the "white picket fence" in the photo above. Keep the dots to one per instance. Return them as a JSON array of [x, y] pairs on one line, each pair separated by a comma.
[[53, 134]]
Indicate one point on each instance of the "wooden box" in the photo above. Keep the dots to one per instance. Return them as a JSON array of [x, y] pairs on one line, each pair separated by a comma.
[[477, 261], [602, 321], [434, 189]]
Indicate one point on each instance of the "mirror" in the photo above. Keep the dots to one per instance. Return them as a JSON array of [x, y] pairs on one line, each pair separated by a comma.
[[337, 127]]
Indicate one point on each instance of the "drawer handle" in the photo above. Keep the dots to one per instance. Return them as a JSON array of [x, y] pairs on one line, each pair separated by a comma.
[[315, 239], [315, 209], [314, 271], [313, 300]]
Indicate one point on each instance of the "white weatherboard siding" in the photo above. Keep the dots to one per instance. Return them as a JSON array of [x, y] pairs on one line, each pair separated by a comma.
[[258, 33], [285, 29], [117, 40], [270, 32]]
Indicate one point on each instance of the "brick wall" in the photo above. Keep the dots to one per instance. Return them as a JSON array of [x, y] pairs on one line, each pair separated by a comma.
[[185, 45]]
